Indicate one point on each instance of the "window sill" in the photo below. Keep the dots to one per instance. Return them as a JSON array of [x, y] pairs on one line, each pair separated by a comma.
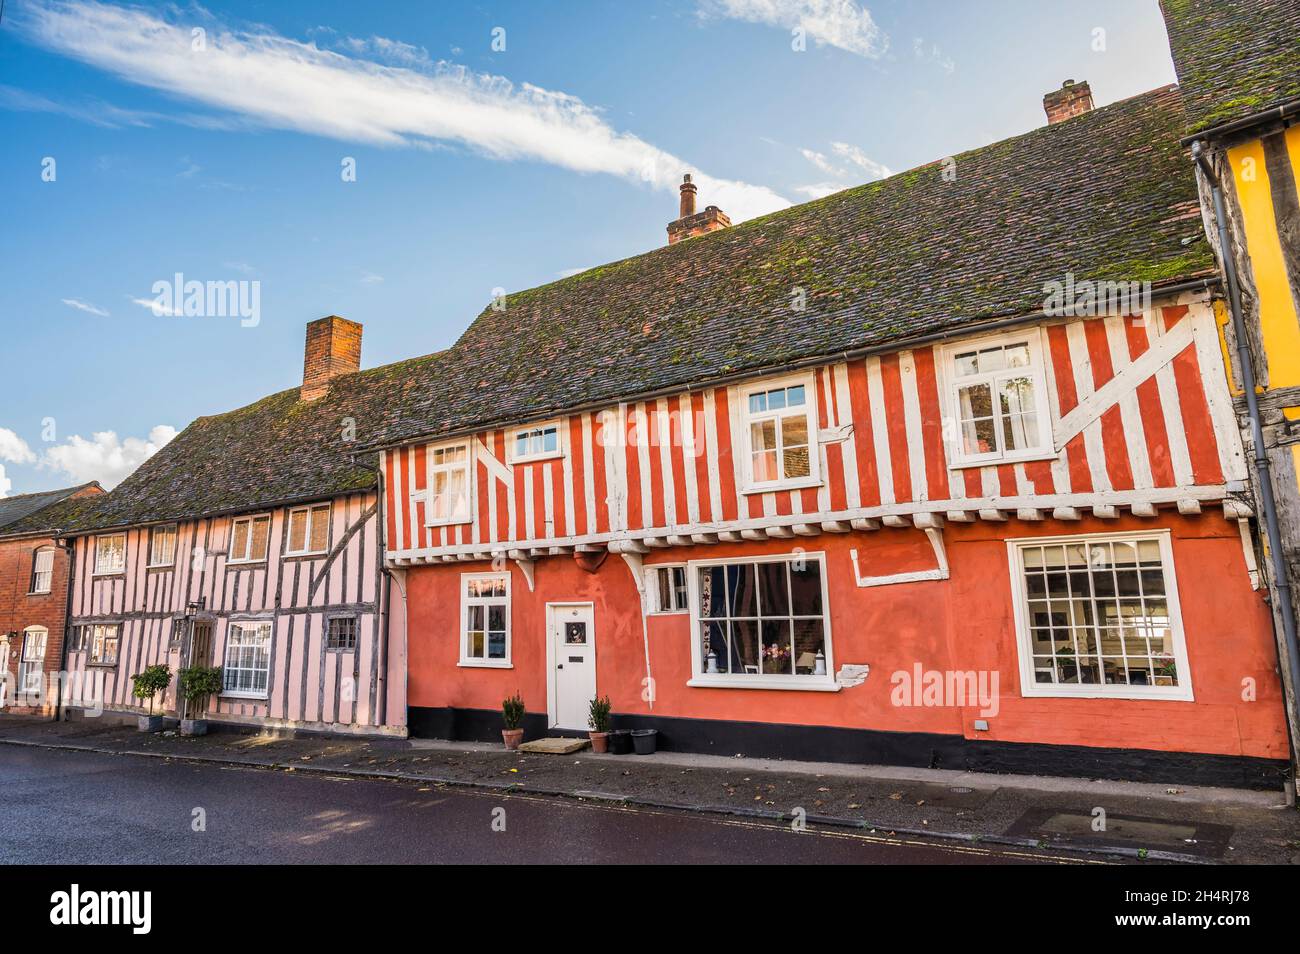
[[101, 665], [677, 612], [100, 574], [538, 459], [245, 696], [467, 521], [804, 483], [161, 566], [39, 593], [261, 562], [310, 555], [485, 664], [1026, 458], [1156, 694], [796, 683]]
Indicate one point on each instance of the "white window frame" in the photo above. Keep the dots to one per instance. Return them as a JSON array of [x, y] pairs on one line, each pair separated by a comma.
[[310, 510], [226, 668], [249, 519], [807, 683], [513, 457], [1044, 396], [1024, 644], [94, 641], [654, 590], [37, 572], [430, 468], [153, 537], [465, 602], [25, 670], [746, 418], [110, 571]]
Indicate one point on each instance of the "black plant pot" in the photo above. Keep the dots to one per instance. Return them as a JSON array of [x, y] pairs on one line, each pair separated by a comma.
[[644, 740], [620, 741]]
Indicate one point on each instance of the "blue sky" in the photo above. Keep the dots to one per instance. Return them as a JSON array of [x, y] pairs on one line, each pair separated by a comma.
[[484, 159]]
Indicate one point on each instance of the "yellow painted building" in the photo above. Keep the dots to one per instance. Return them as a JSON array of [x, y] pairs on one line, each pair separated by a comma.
[[1238, 65]]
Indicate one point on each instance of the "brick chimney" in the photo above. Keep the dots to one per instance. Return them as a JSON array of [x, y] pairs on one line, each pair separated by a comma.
[[1072, 99], [333, 348], [691, 223]]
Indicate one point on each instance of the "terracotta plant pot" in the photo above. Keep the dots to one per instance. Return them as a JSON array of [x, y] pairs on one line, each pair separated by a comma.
[[512, 737], [599, 741]]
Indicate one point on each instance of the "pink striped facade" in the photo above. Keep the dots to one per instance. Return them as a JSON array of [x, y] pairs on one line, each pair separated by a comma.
[[1140, 409], [310, 685]]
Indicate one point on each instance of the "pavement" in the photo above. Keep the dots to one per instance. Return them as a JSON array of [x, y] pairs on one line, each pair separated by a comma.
[[1027, 816]]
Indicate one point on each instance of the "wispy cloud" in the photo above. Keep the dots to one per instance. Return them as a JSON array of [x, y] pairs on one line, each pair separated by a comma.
[[839, 23], [819, 190], [156, 305], [105, 457], [241, 267], [371, 278], [271, 80], [931, 52], [873, 169], [85, 306]]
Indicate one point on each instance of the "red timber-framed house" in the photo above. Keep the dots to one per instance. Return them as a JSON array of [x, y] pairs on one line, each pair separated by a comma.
[[34, 596], [250, 542], [847, 482]]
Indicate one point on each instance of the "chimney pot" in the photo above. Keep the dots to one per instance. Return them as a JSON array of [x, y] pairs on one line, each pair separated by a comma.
[[1072, 99], [690, 223], [333, 348]]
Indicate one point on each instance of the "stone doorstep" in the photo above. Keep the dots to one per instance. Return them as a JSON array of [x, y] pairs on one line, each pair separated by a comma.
[[554, 745]]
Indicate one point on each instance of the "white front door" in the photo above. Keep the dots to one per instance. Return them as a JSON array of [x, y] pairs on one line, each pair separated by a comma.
[[572, 654]]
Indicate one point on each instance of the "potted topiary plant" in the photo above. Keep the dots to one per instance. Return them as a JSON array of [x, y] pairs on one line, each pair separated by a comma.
[[196, 685], [598, 721], [147, 685], [512, 711]]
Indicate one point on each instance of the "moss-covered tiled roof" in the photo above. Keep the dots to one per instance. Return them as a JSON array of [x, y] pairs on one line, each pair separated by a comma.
[[1108, 195], [32, 513], [1234, 58]]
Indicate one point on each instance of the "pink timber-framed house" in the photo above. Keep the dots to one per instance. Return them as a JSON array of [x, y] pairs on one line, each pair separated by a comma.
[[841, 483], [250, 542]]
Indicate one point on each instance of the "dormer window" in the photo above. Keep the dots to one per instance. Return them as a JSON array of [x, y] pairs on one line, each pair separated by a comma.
[[450, 485], [535, 443], [780, 421]]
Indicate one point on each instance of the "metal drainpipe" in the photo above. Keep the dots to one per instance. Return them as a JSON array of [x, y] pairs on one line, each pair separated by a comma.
[[1263, 469]]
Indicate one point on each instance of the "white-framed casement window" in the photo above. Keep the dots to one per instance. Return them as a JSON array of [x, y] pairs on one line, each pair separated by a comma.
[[539, 442], [101, 642], [248, 539], [998, 399], [42, 570], [779, 419], [451, 486], [309, 530], [110, 554], [31, 665], [246, 667], [162, 545], [761, 623], [1097, 616], [485, 619], [666, 587]]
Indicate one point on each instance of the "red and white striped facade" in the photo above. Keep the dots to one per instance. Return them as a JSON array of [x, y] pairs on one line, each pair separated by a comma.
[[310, 684], [1141, 418]]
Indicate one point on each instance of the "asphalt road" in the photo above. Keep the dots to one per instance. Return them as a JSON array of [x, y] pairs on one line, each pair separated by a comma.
[[60, 807]]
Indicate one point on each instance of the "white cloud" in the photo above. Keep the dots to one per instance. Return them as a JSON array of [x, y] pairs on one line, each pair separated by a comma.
[[13, 449], [933, 53], [853, 154], [570, 272], [105, 457], [156, 305], [282, 83], [5, 482], [85, 306], [838, 23], [821, 162], [370, 278]]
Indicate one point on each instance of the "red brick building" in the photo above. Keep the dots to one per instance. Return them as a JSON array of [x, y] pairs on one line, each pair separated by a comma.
[[33, 596]]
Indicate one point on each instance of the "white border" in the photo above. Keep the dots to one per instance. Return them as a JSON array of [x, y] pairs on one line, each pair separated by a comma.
[[814, 478], [514, 432], [948, 380], [1019, 597], [699, 678], [471, 467], [485, 663], [125, 544], [288, 529], [652, 589], [550, 657], [270, 527]]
